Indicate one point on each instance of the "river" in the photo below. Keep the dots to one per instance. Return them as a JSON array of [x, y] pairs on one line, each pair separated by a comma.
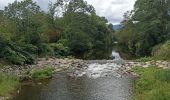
[[96, 82]]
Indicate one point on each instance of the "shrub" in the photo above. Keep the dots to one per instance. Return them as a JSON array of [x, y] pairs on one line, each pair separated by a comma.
[[44, 49], [12, 56], [162, 51], [59, 49], [19, 54]]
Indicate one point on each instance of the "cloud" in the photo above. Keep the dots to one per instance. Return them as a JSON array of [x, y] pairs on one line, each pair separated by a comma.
[[113, 10]]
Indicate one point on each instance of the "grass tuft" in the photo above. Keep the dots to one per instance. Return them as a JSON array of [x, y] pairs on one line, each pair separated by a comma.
[[39, 74]]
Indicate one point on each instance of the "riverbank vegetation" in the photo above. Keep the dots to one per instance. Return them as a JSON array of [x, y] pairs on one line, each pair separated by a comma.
[[67, 28], [146, 30], [40, 74], [146, 35], [153, 84], [8, 84]]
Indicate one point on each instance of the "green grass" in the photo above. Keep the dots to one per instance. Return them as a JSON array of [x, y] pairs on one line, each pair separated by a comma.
[[146, 59], [8, 84], [39, 74], [153, 84]]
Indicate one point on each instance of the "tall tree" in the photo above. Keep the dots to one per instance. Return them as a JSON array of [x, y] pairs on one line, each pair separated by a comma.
[[84, 32], [26, 14], [149, 22]]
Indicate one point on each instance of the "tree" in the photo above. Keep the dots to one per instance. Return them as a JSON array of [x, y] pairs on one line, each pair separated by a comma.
[[149, 23], [25, 14], [83, 31], [23, 32], [70, 27]]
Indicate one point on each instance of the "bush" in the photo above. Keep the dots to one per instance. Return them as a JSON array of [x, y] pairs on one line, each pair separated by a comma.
[[30, 53], [59, 49], [39, 74], [19, 54], [162, 51], [44, 49], [13, 56], [8, 83]]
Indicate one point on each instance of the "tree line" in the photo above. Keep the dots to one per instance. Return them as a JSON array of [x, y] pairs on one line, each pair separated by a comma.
[[68, 28], [146, 30]]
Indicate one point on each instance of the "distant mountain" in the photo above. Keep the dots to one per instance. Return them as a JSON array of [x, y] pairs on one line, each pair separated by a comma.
[[117, 27]]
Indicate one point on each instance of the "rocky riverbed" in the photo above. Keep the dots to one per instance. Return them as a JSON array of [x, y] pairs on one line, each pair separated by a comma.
[[77, 66], [58, 64], [82, 80], [92, 69], [127, 67]]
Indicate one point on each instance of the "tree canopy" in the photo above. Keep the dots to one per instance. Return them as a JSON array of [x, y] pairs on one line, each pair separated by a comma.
[[68, 28], [146, 26]]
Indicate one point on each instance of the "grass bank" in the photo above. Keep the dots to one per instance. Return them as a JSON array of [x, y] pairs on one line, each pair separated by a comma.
[[153, 84], [8, 84]]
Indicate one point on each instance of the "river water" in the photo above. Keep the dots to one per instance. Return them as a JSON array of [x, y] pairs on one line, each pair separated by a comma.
[[96, 82]]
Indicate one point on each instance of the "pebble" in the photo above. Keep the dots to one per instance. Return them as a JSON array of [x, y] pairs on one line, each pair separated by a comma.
[[66, 63]]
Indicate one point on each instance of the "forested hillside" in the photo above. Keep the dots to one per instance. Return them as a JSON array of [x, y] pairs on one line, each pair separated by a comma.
[[146, 29], [68, 28]]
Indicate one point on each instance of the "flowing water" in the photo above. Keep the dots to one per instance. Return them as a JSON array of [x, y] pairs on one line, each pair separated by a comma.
[[96, 82]]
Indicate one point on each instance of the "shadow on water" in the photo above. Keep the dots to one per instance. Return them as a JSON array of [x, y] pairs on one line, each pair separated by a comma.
[[62, 87]]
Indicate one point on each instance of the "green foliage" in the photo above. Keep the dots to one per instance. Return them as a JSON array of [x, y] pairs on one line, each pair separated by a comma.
[[22, 31], [153, 84], [12, 52], [84, 34], [145, 59], [8, 83], [17, 54], [162, 51], [59, 50], [44, 49], [144, 27], [39, 74], [26, 32], [77, 41]]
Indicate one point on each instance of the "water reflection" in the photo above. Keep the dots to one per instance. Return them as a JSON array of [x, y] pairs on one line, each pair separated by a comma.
[[63, 87]]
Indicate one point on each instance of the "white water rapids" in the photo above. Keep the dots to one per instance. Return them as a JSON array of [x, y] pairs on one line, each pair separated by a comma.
[[96, 80], [101, 68], [96, 70]]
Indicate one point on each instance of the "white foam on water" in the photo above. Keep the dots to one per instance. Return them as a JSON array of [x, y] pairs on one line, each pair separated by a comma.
[[102, 70], [116, 55], [96, 70]]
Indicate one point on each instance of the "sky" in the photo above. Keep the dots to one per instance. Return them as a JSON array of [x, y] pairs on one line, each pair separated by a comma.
[[113, 10]]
